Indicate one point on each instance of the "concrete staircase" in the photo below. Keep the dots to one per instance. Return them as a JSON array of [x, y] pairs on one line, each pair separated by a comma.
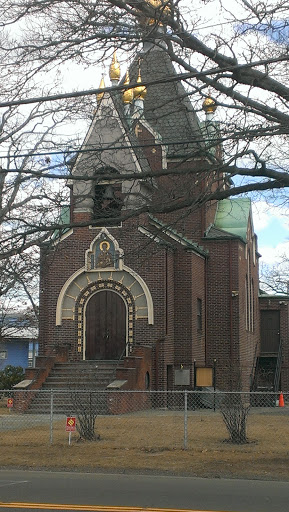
[[69, 386]]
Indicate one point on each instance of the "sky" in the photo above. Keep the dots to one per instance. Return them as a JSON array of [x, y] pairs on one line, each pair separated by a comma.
[[271, 223]]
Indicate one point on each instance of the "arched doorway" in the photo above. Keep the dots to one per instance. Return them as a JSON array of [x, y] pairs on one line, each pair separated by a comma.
[[105, 326]]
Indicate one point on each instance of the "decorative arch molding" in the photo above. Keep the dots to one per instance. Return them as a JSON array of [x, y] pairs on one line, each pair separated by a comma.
[[82, 303], [77, 284]]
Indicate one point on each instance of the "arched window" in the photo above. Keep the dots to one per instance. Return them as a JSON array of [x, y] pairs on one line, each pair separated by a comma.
[[252, 299], [247, 299]]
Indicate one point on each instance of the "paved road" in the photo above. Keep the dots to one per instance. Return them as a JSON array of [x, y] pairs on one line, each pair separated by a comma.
[[104, 492]]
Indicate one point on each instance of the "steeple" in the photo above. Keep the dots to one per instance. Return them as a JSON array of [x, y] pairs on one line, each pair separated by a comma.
[[101, 86], [139, 91], [139, 94], [127, 96], [114, 70]]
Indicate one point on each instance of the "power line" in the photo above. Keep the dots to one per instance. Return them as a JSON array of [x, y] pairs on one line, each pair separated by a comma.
[[122, 87], [204, 140]]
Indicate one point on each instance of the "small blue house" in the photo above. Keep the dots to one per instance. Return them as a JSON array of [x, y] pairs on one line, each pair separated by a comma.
[[18, 343]]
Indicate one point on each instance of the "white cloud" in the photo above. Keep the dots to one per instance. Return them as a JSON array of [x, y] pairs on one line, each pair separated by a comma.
[[264, 212], [271, 255]]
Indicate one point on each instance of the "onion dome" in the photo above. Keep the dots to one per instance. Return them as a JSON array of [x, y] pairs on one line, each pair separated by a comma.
[[100, 95], [127, 95], [160, 4], [209, 105], [140, 91], [114, 69]]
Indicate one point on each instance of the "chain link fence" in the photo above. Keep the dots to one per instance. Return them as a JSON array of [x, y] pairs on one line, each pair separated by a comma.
[[151, 420]]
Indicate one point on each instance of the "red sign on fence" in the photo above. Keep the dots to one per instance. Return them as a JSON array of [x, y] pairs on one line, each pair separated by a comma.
[[9, 402], [70, 424]]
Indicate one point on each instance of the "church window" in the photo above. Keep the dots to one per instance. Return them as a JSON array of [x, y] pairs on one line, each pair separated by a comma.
[[247, 299], [199, 314], [252, 298]]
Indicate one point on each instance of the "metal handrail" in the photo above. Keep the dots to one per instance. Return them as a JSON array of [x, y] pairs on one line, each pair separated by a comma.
[[122, 354]]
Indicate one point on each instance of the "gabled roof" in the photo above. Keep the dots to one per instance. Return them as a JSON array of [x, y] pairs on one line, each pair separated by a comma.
[[108, 130], [171, 234], [132, 139], [63, 219]]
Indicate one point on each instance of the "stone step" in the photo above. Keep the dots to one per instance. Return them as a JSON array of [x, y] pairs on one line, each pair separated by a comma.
[[86, 364], [68, 402], [95, 371], [56, 384], [83, 375], [85, 386]]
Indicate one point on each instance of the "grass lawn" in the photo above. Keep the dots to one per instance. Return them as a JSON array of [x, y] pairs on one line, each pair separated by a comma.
[[153, 441]]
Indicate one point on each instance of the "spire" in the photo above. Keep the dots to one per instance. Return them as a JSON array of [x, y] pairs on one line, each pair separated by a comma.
[[139, 94], [114, 69], [211, 127], [100, 95], [127, 95], [139, 91]]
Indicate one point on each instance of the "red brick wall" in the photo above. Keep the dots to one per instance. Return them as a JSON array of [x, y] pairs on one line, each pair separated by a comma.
[[228, 339]]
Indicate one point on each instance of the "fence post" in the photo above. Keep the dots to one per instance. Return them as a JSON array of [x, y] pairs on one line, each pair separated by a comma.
[[186, 421], [51, 416], [214, 384]]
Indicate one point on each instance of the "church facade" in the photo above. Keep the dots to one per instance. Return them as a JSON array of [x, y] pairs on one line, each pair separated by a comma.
[[150, 276]]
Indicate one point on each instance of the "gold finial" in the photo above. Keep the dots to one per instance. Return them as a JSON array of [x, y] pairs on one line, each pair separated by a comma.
[[100, 95], [140, 91], [161, 5], [209, 105], [127, 95], [114, 69]]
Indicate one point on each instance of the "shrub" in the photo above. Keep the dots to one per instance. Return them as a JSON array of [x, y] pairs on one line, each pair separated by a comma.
[[10, 376], [235, 414]]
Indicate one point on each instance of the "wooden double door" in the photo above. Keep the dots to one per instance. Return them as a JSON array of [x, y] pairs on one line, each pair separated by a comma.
[[105, 326]]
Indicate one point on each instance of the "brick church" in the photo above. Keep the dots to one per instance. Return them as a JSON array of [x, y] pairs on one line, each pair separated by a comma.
[[152, 277]]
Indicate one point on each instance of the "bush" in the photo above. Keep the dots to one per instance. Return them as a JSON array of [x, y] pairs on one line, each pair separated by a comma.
[[86, 405], [235, 414], [10, 376]]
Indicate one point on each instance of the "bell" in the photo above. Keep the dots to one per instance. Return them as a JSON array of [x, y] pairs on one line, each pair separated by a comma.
[[108, 193]]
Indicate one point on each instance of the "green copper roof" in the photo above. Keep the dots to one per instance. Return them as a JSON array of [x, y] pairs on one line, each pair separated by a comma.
[[233, 215], [63, 219]]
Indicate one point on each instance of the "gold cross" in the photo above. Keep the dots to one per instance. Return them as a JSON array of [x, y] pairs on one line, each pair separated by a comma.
[[137, 130]]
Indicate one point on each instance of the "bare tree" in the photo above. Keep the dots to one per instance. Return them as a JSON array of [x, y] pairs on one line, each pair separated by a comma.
[[274, 279], [240, 60]]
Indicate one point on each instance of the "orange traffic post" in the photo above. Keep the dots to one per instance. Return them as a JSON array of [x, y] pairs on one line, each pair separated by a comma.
[[281, 400]]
